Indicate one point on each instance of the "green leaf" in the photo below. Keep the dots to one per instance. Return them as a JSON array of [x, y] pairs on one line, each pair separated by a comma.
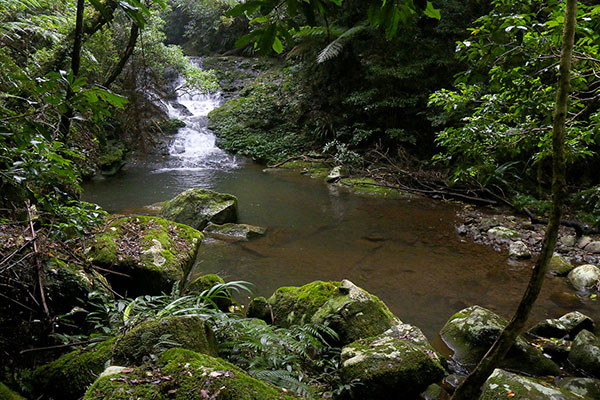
[[248, 7], [277, 45], [432, 12]]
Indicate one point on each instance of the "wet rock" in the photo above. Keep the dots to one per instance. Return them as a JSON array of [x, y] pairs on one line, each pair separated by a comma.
[[501, 233], [588, 387], [69, 376], [462, 230], [472, 331], [184, 374], [151, 338], [385, 366], [593, 247], [502, 385], [204, 283], [335, 174], [584, 277], [414, 335], [559, 266], [486, 223], [151, 252], [435, 392], [557, 349], [584, 241], [569, 324], [585, 353], [349, 310], [198, 207], [234, 232], [518, 249], [568, 241]]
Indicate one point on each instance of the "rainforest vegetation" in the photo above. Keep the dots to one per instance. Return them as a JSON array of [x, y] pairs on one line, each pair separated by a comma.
[[448, 98]]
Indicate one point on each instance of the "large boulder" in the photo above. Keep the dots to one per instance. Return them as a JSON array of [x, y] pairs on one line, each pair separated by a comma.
[[472, 331], [184, 375], [198, 207], [569, 325], [349, 310], [150, 338], [502, 385], [585, 353], [384, 366], [588, 387], [148, 254], [203, 284], [234, 232], [585, 277], [68, 285], [69, 376]]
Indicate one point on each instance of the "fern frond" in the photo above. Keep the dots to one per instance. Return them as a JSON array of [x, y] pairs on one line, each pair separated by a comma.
[[334, 48]]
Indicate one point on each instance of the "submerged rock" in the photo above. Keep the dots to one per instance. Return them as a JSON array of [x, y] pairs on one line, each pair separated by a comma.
[[585, 353], [349, 310], [569, 324], [585, 277], [502, 385], [150, 338], [152, 252], [184, 375], [234, 232], [472, 331], [559, 266], [385, 366], [69, 376], [198, 207]]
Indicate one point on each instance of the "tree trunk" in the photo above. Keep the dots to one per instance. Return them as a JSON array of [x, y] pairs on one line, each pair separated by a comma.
[[471, 388], [65, 118], [133, 35]]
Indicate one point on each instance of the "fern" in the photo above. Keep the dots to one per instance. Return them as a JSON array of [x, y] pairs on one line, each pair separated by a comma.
[[335, 48]]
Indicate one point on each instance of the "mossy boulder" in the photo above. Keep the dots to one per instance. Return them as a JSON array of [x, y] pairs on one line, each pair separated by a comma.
[[150, 338], [502, 385], [68, 285], [152, 252], [370, 187], [386, 366], [7, 394], [203, 284], [569, 325], [588, 387], [113, 157], [349, 310], [69, 376], [234, 232], [472, 331], [184, 375], [585, 353], [559, 266], [197, 207], [414, 335]]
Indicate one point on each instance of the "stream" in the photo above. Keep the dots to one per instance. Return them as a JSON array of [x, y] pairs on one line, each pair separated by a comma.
[[406, 252]]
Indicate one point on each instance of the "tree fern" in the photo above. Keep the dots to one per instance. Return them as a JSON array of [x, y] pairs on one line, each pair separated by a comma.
[[335, 48]]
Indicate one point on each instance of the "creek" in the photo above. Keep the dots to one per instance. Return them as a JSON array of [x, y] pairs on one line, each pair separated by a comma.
[[406, 252]]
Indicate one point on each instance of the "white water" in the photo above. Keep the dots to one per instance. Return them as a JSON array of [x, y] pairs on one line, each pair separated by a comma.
[[194, 146]]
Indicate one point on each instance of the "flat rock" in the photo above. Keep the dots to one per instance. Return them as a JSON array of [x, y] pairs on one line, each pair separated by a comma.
[[234, 232], [569, 324], [502, 385], [593, 247]]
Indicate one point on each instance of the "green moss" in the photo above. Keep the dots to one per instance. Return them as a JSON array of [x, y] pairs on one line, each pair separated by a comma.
[[154, 337], [185, 375], [170, 126], [369, 186], [69, 376], [153, 251], [7, 394], [296, 305], [205, 283], [502, 385]]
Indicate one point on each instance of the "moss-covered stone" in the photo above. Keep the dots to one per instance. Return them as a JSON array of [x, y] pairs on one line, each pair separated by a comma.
[[184, 375], [585, 353], [369, 186], [7, 394], [502, 233], [68, 285], [386, 366], [151, 338], [197, 207], [259, 308], [69, 376], [473, 330], [170, 126], [203, 284], [152, 251], [569, 325], [234, 232], [588, 387], [559, 266], [112, 158], [502, 385], [349, 310]]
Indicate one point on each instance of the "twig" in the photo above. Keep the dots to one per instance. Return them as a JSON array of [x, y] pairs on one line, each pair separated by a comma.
[[38, 261], [60, 346], [16, 302]]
